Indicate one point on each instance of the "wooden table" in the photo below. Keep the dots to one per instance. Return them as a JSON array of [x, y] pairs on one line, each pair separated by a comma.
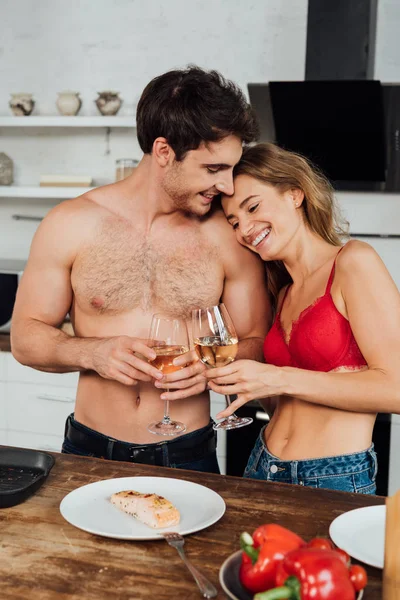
[[42, 557], [5, 344]]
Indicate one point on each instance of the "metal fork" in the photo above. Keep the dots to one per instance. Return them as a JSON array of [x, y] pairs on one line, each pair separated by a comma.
[[206, 587]]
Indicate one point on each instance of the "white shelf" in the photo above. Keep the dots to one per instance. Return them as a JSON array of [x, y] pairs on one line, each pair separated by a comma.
[[67, 121], [41, 192]]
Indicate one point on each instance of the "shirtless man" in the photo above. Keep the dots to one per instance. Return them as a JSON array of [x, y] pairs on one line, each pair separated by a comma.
[[150, 243]]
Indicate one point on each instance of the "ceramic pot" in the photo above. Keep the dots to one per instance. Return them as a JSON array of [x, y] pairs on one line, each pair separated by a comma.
[[68, 103], [6, 169], [21, 104], [108, 102]]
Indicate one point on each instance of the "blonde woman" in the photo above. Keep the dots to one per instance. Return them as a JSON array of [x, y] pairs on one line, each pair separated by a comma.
[[333, 352]]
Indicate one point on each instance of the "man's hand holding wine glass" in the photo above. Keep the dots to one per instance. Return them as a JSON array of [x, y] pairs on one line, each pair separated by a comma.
[[188, 381]]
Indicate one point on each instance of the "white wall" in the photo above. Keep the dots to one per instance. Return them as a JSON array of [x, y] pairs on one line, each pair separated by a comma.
[[387, 51], [89, 46]]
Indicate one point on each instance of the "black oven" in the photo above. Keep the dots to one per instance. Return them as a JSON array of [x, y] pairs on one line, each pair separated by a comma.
[[10, 274]]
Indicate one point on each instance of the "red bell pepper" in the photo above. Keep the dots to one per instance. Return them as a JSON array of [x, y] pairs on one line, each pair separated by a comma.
[[262, 554], [325, 544], [311, 574]]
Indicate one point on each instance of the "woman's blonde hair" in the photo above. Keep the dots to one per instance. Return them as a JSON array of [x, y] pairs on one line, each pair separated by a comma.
[[286, 170]]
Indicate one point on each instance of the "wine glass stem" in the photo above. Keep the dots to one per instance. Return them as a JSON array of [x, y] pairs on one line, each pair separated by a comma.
[[227, 400], [166, 418], [228, 403]]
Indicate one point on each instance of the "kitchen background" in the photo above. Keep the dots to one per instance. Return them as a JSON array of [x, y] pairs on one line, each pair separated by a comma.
[[50, 46]]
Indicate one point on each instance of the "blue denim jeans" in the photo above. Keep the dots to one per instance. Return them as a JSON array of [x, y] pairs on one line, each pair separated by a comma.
[[344, 473], [188, 444]]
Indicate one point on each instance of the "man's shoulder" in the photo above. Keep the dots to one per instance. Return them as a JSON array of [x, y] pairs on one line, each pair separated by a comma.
[[86, 206]]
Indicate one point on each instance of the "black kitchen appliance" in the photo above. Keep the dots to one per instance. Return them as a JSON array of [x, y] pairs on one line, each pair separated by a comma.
[[10, 274], [22, 473], [339, 125], [350, 129]]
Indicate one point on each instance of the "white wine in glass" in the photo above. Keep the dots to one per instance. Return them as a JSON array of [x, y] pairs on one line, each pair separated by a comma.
[[216, 344], [169, 339]]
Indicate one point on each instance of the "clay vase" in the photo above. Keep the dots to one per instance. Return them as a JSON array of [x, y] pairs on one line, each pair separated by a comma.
[[21, 104], [108, 103], [6, 169], [68, 103]]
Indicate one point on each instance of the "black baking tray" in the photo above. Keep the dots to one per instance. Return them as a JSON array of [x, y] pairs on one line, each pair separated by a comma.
[[22, 472]]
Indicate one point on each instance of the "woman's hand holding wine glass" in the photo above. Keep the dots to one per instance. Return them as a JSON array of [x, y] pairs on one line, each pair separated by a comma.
[[216, 344]]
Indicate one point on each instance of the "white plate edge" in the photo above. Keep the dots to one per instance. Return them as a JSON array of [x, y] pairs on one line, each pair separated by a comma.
[[344, 515]]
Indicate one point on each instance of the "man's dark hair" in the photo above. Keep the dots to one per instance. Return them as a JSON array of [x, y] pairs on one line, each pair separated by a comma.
[[190, 106]]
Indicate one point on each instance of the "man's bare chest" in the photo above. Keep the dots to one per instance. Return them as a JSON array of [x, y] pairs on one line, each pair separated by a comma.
[[172, 273]]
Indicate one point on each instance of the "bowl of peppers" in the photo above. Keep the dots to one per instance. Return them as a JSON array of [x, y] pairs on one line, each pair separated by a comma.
[[275, 563]]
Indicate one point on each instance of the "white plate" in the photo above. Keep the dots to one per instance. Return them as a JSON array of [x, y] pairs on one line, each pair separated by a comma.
[[361, 532], [89, 507]]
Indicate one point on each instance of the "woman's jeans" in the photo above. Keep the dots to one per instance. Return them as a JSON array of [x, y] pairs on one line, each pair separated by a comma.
[[345, 473]]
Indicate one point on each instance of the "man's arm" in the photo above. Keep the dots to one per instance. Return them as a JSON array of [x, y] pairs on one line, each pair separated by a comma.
[[44, 298]]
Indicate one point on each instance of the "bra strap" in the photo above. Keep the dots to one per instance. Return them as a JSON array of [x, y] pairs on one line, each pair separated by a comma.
[[332, 274]]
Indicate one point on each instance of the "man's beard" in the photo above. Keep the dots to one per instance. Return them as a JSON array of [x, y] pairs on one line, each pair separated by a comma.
[[180, 198]]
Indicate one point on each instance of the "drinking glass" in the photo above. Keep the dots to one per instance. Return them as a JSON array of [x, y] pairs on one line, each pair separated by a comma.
[[169, 338], [125, 167], [216, 344]]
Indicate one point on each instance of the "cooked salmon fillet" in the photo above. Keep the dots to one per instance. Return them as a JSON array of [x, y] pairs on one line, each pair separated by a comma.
[[151, 509]]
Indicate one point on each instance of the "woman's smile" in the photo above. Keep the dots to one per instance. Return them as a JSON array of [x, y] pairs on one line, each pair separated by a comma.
[[261, 237]]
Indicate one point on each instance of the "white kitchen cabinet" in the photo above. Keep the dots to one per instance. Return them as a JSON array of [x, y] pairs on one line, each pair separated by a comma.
[[394, 463], [3, 418], [218, 404], [37, 441], [15, 372], [3, 437], [38, 409], [34, 406], [2, 365]]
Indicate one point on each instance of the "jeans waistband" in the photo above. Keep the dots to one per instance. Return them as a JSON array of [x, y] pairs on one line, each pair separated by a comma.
[[186, 448], [327, 465]]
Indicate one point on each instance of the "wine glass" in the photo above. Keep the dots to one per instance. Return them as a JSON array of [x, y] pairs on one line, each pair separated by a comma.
[[216, 344], [169, 338]]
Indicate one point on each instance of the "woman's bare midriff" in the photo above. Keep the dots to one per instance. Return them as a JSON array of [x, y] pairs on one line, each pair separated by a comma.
[[300, 430], [124, 412]]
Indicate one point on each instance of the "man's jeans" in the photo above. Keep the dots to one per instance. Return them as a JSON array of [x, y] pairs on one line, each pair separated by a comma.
[[195, 451]]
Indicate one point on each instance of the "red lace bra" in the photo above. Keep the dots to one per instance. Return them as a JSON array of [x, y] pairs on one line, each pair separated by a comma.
[[321, 338]]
